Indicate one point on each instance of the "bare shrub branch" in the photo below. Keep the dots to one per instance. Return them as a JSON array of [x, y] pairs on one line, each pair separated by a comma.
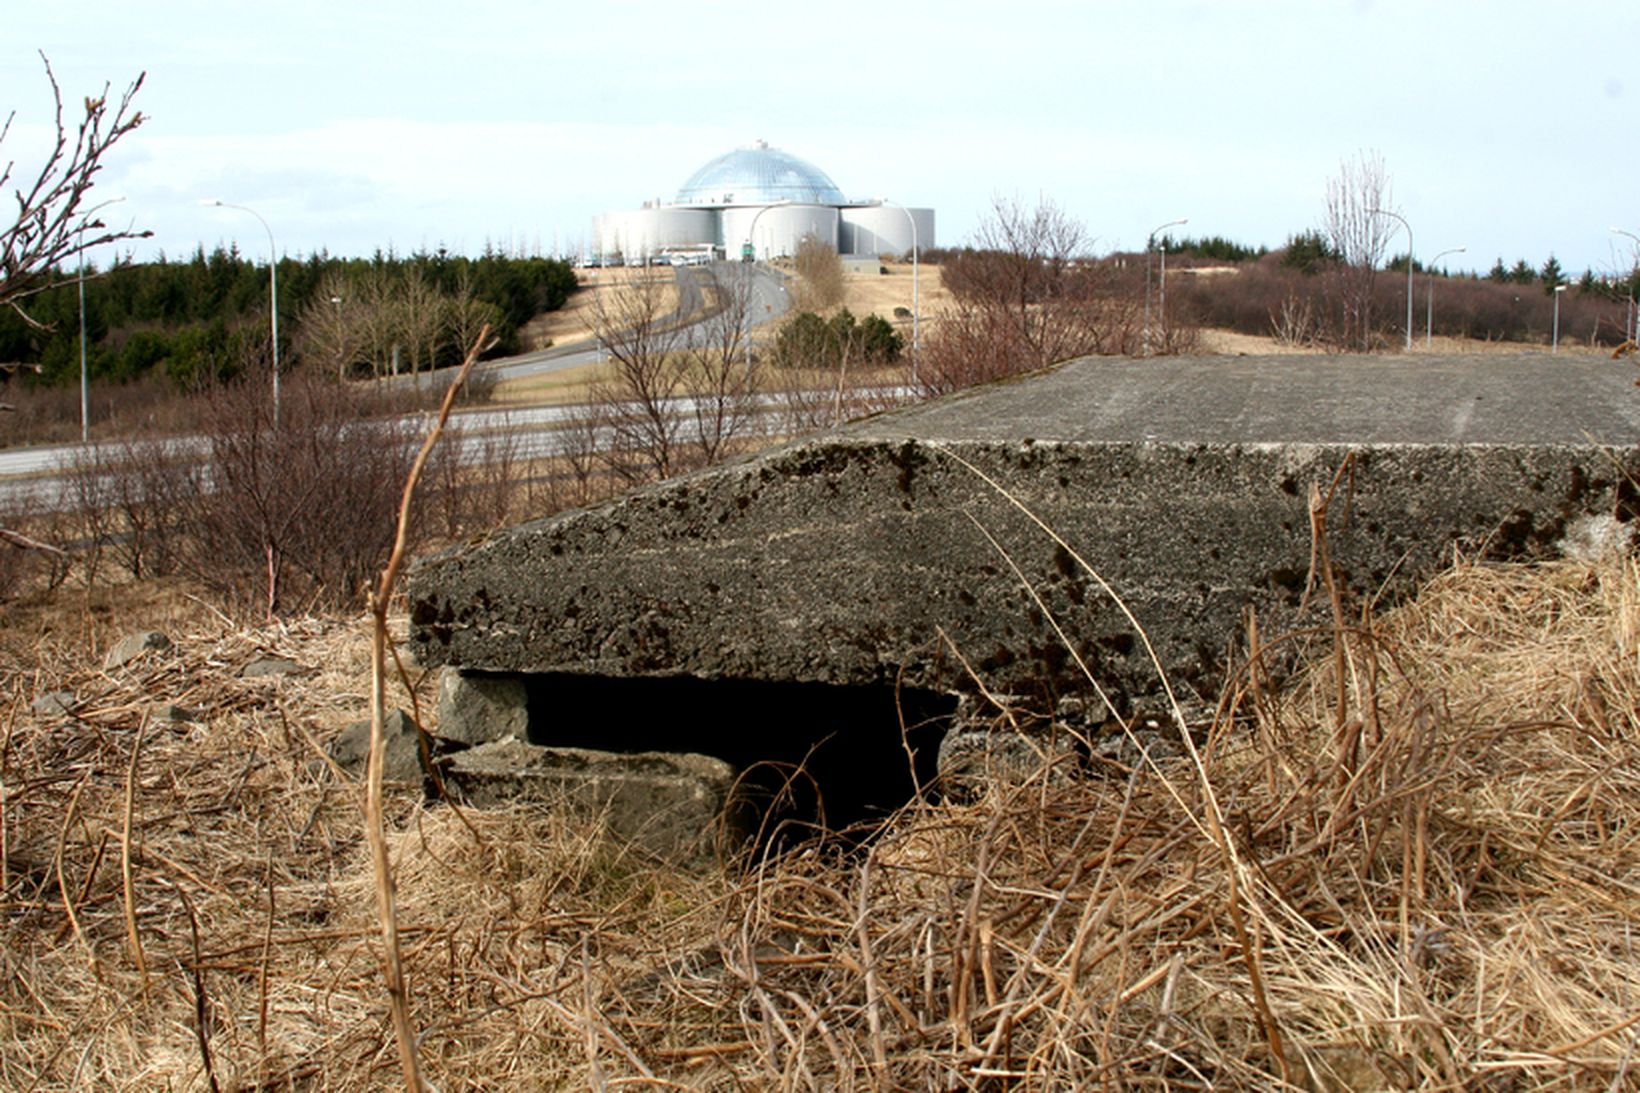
[[54, 221]]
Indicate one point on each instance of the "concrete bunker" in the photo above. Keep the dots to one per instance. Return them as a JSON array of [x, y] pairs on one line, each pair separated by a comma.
[[871, 556], [814, 756]]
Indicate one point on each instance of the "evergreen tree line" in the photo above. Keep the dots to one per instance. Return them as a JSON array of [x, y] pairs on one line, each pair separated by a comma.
[[199, 320]]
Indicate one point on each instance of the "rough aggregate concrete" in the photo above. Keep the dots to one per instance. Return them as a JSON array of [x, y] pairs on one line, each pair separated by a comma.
[[899, 548]]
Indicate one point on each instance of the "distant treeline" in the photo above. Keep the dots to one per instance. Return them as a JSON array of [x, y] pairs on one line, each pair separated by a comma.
[[203, 318]]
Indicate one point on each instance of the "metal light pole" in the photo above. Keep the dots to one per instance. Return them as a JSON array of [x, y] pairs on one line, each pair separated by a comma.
[[1429, 296], [1554, 339], [915, 312], [85, 387], [1632, 320], [1150, 245], [1408, 227], [751, 284], [85, 383], [273, 291]]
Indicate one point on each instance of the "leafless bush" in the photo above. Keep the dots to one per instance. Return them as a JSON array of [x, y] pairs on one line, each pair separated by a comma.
[[124, 498], [29, 561], [296, 513], [576, 444], [819, 274], [1028, 295], [478, 480], [1295, 324]]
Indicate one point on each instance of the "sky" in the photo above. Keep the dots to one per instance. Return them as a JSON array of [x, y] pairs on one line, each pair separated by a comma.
[[1508, 128]]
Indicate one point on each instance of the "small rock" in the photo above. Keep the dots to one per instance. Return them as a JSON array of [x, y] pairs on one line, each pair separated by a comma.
[[55, 704], [401, 753], [132, 646], [269, 668]]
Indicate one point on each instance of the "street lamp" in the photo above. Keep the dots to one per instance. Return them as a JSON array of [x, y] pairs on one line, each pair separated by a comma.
[[1554, 339], [85, 383], [1632, 323], [751, 283], [1429, 296], [273, 290], [912, 220], [1408, 227], [1150, 245]]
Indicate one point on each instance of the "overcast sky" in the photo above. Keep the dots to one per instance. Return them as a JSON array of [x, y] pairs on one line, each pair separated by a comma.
[[1511, 128]]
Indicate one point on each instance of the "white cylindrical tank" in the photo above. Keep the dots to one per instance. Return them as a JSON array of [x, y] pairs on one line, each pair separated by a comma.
[[663, 228], [645, 233], [872, 230], [776, 230]]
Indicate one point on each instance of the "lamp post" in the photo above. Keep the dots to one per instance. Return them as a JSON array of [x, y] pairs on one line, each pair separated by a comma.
[[751, 283], [85, 383], [1429, 297], [1150, 245], [1408, 227], [915, 313], [1632, 321], [1554, 339], [273, 290]]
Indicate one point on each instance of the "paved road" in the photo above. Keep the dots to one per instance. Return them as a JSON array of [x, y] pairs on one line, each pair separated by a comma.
[[769, 301]]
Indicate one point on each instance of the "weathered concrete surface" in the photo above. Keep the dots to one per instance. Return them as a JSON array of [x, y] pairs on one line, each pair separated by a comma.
[[867, 555], [673, 805]]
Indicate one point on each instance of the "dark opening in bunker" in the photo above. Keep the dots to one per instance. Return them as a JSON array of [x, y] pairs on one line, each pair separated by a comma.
[[858, 764]]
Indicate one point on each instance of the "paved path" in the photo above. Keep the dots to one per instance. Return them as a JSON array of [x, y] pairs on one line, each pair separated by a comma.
[[1470, 398]]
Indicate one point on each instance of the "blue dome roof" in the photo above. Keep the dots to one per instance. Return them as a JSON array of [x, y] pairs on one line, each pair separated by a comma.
[[759, 175]]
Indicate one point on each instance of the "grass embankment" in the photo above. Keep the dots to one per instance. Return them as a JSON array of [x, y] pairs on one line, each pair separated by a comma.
[[1427, 877]]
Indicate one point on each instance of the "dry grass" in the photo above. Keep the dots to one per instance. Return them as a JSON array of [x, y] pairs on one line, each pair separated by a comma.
[[866, 293], [1432, 881], [572, 324]]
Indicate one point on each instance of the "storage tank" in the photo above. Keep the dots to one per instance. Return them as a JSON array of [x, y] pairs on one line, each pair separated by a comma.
[[872, 230], [778, 228]]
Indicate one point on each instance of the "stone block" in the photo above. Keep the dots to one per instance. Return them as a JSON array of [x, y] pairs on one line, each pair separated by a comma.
[[674, 805], [475, 708]]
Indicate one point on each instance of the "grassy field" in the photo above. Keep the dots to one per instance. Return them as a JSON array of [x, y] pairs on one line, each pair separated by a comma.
[[1413, 866]]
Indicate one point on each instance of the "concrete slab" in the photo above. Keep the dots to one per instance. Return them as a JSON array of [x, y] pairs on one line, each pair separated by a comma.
[[893, 549]]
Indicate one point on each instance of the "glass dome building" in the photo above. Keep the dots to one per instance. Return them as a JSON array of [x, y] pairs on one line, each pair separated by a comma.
[[764, 199], [759, 175]]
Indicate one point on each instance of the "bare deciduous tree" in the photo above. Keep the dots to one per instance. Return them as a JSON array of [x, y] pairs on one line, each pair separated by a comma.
[[55, 219], [636, 323], [720, 378], [1359, 235], [353, 322], [331, 327]]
